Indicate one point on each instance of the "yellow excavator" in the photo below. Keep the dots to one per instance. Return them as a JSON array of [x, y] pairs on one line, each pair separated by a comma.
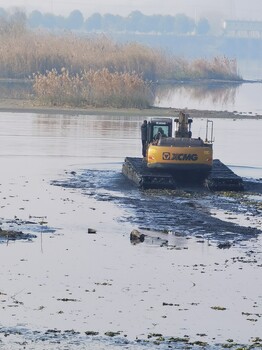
[[170, 159], [179, 153]]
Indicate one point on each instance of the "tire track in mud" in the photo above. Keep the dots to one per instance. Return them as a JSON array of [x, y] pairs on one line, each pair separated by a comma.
[[187, 211]]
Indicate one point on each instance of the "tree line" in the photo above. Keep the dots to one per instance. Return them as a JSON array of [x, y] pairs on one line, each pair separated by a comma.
[[136, 21]]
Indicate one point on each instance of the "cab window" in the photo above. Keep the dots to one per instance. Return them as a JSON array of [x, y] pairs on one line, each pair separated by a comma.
[[163, 127]]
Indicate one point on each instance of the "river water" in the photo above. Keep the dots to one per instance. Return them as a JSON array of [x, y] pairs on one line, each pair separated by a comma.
[[65, 282], [233, 97], [241, 98], [99, 140]]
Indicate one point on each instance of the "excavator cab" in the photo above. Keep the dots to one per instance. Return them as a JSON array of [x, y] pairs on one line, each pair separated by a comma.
[[157, 126]]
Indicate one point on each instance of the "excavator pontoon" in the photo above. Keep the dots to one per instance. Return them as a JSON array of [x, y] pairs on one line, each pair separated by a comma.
[[174, 159]]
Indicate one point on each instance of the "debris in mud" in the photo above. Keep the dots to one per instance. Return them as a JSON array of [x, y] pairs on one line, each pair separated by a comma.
[[13, 229], [185, 339], [91, 230], [11, 235], [224, 245], [91, 333], [67, 299], [103, 283], [112, 334], [136, 236], [218, 308]]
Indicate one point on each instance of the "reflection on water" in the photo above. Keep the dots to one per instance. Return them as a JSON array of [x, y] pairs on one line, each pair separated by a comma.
[[15, 90], [103, 139], [243, 98], [217, 94]]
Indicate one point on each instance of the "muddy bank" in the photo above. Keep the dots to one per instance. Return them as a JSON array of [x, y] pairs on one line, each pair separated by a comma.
[[31, 106]]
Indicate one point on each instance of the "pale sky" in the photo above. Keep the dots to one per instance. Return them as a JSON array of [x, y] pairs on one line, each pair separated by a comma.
[[230, 9]]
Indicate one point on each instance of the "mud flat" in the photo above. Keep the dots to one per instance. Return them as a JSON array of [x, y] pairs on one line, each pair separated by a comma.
[[72, 288], [78, 282]]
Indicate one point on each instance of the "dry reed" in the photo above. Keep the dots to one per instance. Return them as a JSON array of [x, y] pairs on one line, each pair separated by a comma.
[[96, 70], [28, 53], [221, 68], [99, 88]]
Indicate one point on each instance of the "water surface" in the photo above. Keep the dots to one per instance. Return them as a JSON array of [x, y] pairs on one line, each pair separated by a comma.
[[71, 280], [240, 98]]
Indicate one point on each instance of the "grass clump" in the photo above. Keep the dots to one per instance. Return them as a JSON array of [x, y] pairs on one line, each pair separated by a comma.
[[221, 68], [98, 88]]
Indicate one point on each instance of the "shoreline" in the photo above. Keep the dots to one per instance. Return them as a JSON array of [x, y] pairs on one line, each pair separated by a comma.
[[31, 106]]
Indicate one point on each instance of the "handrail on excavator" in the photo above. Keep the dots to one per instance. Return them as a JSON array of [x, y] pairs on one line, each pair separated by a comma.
[[208, 126]]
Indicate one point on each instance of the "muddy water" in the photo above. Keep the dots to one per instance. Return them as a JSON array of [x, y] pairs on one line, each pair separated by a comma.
[[63, 282]]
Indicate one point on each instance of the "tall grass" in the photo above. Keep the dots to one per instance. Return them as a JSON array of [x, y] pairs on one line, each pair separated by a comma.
[[98, 88], [95, 70], [221, 68], [26, 53], [30, 53]]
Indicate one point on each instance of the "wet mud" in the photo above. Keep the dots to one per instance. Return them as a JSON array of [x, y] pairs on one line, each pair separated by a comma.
[[167, 219], [188, 212], [26, 230], [71, 339]]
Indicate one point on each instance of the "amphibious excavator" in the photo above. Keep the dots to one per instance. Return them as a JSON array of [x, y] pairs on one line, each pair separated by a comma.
[[172, 159]]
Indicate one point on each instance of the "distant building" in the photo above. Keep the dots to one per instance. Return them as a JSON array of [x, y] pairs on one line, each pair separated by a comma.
[[243, 29]]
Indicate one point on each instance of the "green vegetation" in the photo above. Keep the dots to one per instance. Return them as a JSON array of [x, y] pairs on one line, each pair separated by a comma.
[[94, 70]]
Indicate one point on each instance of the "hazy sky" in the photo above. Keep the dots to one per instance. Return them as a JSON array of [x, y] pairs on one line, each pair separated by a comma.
[[235, 9]]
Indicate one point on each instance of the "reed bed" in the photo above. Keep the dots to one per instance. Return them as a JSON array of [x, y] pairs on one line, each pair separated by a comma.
[[27, 53], [95, 70], [30, 53], [220, 68], [98, 88]]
